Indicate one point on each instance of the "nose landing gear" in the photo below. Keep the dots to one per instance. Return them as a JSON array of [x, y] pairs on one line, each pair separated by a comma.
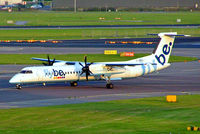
[[18, 86]]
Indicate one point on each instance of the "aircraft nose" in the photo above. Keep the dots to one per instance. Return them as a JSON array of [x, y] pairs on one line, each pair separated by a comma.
[[14, 79]]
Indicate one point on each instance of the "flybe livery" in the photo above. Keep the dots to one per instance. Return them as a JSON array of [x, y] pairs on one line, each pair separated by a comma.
[[74, 71]]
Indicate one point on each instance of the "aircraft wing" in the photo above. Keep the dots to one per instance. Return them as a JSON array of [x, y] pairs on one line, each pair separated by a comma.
[[40, 59], [108, 73], [109, 69], [56, 61]]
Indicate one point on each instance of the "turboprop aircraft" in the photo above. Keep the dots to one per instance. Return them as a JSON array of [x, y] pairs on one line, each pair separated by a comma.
[[74, 71]]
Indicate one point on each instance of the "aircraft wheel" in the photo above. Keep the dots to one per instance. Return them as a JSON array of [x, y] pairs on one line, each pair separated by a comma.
[[18, 86], [110, 86], [74, 84]]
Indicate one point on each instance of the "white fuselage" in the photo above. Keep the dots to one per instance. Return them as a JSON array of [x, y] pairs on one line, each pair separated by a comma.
[[65, 73]]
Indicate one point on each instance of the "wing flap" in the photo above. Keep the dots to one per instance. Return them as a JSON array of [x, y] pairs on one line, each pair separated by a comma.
[[129, 64], [106, 73]]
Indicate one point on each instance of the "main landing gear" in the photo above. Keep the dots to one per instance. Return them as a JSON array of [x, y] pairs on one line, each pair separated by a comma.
[[18, 86], [109, 85], [73, 83]]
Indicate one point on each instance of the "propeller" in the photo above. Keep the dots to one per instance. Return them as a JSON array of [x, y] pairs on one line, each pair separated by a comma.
[[49, 62], [86, 69]]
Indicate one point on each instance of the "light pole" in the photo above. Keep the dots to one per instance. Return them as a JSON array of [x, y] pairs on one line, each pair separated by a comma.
[[75, 6], [177, 4]]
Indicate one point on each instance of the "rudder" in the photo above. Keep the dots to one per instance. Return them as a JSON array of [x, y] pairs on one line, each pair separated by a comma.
[[164, 48]]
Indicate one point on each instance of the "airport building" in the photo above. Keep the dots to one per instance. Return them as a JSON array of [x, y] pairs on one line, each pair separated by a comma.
[[126, 3], [9, 2]]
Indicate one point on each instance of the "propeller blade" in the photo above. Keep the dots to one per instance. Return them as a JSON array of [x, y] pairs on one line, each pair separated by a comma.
[[87, 76], [90, 72], [85, 58], [81, 73], [53, 61], [48, 59], [86, 69], [45, 64], [81, 64], [90, 63], [49, 62]]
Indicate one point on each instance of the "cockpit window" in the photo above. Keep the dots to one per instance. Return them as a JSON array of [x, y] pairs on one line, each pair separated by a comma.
[[26, 72]]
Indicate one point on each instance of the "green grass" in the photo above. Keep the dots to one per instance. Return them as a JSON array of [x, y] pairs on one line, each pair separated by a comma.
[[92, 18], [26, 58], [138, 116], [47, 18], [45, 34]]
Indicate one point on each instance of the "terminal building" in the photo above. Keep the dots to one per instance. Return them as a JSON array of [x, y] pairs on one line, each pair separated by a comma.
[[126, 3]]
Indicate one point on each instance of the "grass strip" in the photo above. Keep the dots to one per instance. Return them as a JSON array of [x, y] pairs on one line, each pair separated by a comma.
[[49, 18], [26, 58], [139, 116]]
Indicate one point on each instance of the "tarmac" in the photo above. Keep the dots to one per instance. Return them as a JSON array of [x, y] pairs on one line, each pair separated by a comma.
[[180, 42]]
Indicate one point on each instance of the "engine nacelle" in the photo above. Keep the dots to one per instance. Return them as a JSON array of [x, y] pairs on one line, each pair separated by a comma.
[[97, 68], [59, 63]]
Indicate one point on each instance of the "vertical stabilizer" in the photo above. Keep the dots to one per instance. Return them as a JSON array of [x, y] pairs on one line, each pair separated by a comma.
[[164, 48]]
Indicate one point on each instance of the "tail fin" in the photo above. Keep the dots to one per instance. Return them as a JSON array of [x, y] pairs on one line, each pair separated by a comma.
[[164, 48], [163, 51]]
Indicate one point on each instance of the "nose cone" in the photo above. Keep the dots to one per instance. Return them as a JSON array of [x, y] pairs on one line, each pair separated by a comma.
[[14, 80]]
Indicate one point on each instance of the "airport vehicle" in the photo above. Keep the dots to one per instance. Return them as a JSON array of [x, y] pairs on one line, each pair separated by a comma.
[[74, 71], [36, 6]]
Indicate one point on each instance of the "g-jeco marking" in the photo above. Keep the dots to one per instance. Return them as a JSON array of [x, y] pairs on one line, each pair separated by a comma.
[[166, 50]]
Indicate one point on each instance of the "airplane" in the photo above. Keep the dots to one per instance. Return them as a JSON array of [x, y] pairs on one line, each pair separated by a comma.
[[74, 71]]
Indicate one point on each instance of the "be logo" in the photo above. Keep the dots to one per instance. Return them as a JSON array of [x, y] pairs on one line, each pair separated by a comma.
[[165, 51], [58, 73]]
